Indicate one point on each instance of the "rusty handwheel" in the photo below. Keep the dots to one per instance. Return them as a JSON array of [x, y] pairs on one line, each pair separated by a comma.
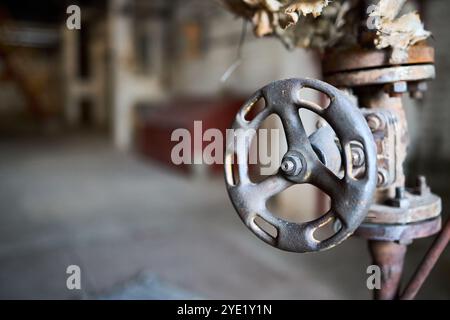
[[351, 194]]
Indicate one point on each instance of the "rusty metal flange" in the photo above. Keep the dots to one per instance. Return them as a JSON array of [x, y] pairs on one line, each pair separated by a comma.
[[360, 58], [362, 67], [417, 208], [350, 196], [381, 76], [403, 233]]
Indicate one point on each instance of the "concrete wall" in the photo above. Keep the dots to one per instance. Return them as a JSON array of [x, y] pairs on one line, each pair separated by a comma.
[[263, 61]]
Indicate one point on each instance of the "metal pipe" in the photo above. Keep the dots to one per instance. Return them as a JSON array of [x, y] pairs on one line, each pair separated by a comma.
[[427, 263], [389, 256]]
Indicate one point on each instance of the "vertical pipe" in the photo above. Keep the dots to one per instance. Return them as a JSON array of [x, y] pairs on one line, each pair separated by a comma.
[[389, 256], [428, 262]]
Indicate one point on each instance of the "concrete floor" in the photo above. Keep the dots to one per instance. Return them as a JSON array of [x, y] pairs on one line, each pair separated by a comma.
[[75, 200]]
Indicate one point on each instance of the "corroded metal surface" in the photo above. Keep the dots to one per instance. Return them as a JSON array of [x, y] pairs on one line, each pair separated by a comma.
[[403, 233], [378, 78], [428, 262], [385, 128], [391, 137], [361, 58], [382, 75], [389, 256], [399, 215], [350, 196], [417, 208]]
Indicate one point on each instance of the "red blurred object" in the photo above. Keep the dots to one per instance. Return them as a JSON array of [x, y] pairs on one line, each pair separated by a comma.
[[156, 123]]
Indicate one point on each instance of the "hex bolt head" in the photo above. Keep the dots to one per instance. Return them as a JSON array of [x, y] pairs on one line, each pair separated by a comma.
[[422, 86], [396, 88], [374, 122], [417, 88], [287, 165], [381, 178], [399, 87], [291, 165], [357, 156]]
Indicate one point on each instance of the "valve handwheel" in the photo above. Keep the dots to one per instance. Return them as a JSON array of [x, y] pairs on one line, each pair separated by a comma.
[[350, 195]]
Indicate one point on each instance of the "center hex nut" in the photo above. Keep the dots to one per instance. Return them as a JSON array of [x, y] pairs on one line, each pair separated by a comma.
[[291, 165]]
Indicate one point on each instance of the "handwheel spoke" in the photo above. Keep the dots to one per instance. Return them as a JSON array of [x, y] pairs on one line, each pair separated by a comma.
[[326, 180], [272, 185], [296, 136], [259, 119]]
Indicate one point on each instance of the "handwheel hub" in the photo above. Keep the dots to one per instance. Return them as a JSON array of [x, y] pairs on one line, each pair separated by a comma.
[[292, 164]]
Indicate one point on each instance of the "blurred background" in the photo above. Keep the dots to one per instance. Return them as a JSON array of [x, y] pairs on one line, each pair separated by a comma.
[[86, 177]]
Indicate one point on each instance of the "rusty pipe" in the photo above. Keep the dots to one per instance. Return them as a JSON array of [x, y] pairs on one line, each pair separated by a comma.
[[427, 264], [389, 256]]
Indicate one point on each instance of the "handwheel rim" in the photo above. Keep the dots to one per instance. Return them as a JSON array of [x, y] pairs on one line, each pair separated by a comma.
[[350, 197]]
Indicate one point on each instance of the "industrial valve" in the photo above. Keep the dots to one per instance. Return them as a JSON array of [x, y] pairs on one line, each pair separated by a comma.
[[309, 159], [358, 157]]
